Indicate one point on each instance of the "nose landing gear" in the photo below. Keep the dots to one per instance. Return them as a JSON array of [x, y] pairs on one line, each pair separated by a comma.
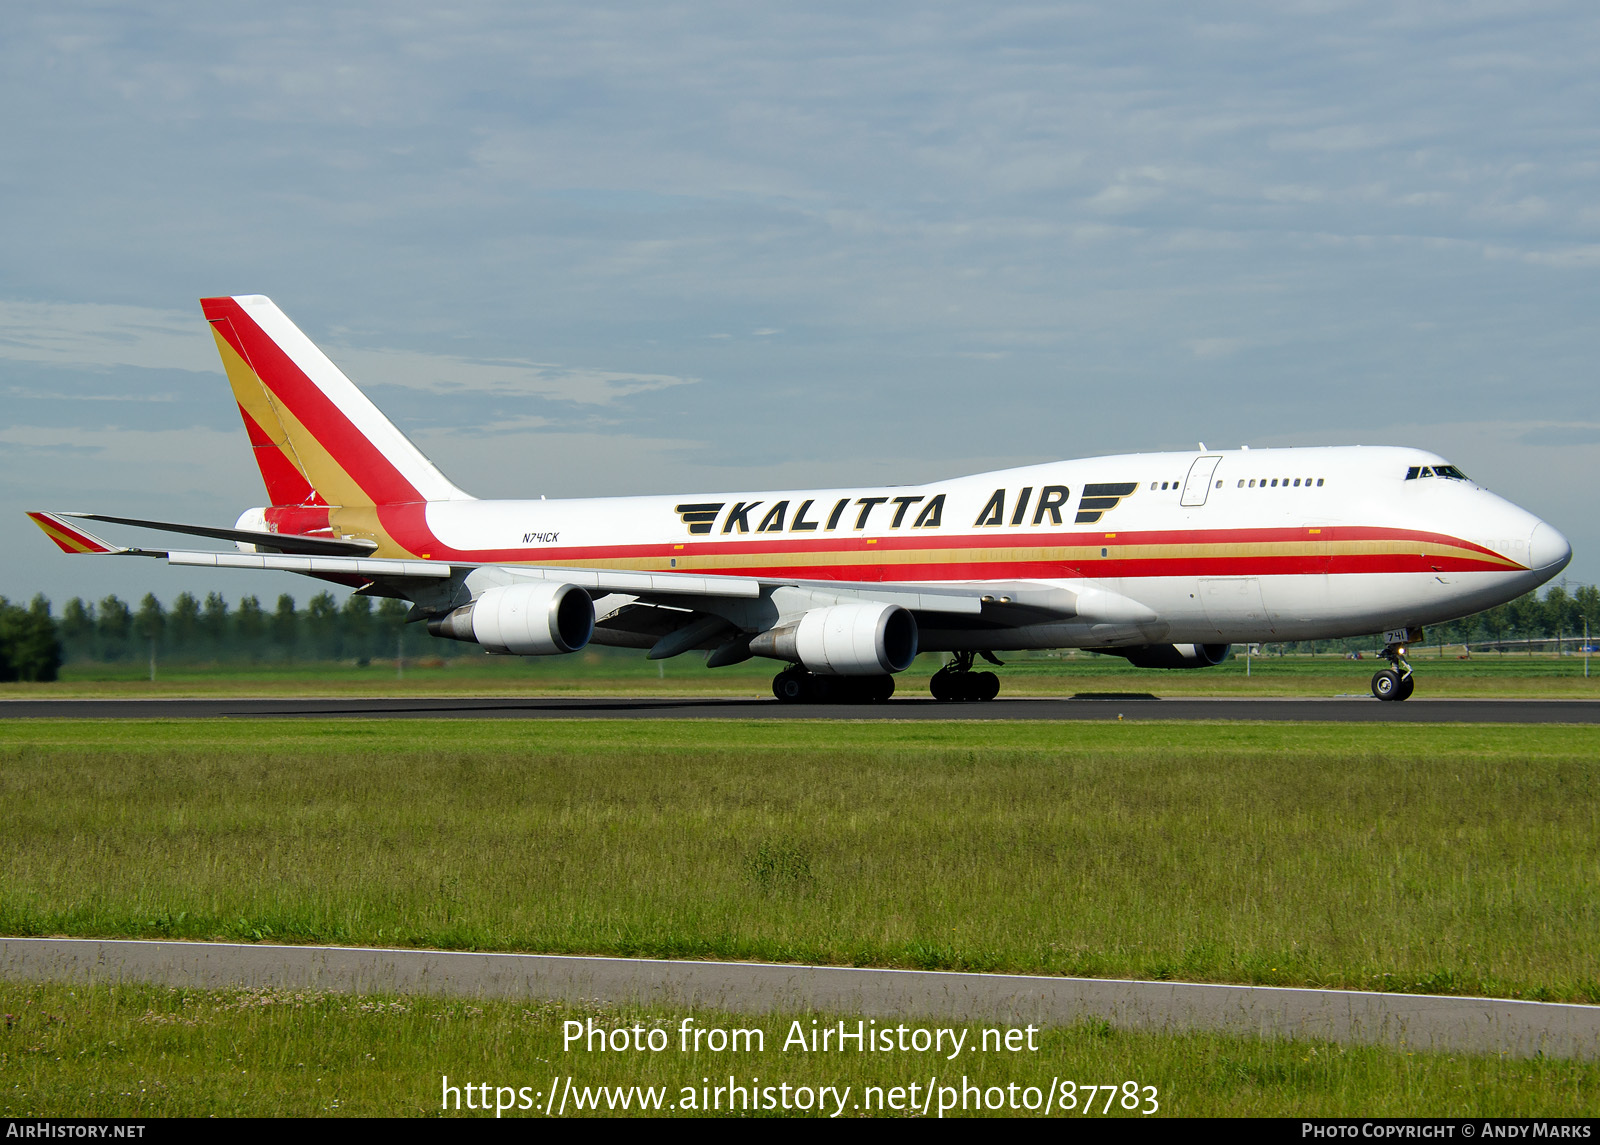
[[1396, 682], [957, 681]]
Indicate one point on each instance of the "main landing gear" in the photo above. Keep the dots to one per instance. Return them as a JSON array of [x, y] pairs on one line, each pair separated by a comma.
[[794, 685], [1396, 682], [957, 681]]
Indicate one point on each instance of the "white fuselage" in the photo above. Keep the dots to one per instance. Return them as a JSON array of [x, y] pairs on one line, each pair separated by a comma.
[[1204, 547]]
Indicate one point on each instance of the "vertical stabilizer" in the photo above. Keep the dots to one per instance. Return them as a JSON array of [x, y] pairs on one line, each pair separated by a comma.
[[318, 440]]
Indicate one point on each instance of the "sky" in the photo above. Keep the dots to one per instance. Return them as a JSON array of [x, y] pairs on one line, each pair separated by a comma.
[[596, 249]]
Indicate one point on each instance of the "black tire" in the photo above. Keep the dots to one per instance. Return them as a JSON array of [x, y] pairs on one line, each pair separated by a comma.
[[985, 686], [942, 685], [871, 689], [1408, 684], [825, 690], [1386, 684], [852, 689], [790, 686]]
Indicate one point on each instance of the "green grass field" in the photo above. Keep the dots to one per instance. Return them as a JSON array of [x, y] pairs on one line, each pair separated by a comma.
[[139, 1051], [598, 671], [1436, 859]]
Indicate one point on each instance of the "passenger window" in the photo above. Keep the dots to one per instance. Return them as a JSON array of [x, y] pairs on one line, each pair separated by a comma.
[[1252, 482], [1297, 482], [1219, 484], [1274, 482], [1241, 482], [1319, 483]]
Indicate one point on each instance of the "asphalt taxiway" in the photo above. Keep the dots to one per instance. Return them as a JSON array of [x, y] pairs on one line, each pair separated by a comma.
[[1415, 1021], [1100, 706]]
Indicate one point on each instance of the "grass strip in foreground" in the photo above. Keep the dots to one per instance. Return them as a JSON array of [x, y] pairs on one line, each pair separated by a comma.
[[130, 1051], [1455, 860]]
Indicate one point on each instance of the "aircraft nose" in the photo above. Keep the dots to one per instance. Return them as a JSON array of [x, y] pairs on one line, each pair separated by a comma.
[[1548, 550]]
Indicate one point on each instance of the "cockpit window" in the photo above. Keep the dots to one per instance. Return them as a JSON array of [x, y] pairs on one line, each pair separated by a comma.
[[1450, 471]]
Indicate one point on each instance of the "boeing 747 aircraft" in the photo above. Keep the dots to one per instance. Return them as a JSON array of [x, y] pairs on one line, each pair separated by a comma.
[[1163, 558]]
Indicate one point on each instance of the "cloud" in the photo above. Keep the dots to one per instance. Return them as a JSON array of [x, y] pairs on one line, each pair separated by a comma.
[[1586, 256], [1217, 347], [451, 375], [1561, 435], [188, 449], [105, 337], [32, 393], [565, 464], [100, 335]]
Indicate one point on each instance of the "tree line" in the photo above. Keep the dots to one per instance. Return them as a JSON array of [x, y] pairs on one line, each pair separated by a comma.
[[211, 631], [1559, 614], [34, 643], [30, 645]]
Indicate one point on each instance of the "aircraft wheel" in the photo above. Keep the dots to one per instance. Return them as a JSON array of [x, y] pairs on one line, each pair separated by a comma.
[[826, 689], [1386, 684], [985, 685], [852, 689], [880, 689], [943, 685], [790, 686], [1408, 684]]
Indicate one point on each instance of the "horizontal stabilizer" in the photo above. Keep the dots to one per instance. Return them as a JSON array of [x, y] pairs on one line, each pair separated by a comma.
[[279, 542], [69, 538]]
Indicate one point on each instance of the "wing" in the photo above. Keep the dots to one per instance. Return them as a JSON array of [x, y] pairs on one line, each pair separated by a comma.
[[669, 613]]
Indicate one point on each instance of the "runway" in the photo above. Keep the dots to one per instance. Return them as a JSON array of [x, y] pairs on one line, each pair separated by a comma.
[[1416, 1021], [1134, 706]]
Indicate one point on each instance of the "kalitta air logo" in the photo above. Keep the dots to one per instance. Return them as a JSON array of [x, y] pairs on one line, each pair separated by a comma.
[[1051, 501], [1098, 499], [1005, 507], [700, 517], [913, 511]]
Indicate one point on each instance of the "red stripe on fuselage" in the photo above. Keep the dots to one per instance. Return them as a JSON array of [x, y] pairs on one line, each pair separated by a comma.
[[1101, 568], [408, 526]]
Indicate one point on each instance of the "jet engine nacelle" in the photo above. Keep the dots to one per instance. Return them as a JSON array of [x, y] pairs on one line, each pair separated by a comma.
[[1174, 655], [866, 639], [542, 618]]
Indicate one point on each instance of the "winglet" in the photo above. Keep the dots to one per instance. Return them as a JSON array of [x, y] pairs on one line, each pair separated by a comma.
[[70, 538]]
